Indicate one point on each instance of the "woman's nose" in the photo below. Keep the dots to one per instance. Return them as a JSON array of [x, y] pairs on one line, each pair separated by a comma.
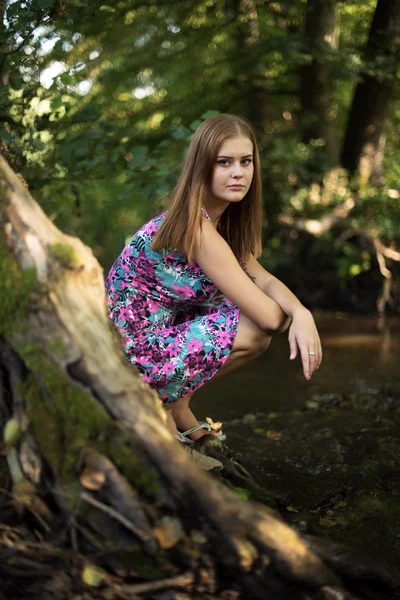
[[237, 170]]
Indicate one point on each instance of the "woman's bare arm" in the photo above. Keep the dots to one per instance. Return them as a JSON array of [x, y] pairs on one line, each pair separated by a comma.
[[303, 334], [272, 287], [216, 259]]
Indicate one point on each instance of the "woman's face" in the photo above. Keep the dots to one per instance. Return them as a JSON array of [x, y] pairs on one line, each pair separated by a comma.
[[233, 170]]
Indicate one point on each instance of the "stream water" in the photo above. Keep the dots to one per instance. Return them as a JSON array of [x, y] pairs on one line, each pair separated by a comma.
[[360, 354], [330, 445]]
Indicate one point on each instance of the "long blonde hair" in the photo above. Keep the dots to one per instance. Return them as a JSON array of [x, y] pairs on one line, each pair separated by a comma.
[[241, 222]]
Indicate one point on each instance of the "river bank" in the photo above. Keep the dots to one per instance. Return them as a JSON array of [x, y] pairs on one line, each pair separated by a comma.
[[332, 445]]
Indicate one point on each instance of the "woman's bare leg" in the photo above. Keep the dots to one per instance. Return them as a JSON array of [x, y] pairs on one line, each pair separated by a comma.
[[250, 342], [171, 425], [184, 419], [235, 361]]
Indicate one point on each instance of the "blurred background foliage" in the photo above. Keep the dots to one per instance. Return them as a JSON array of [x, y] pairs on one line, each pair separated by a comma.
[[98, 103]]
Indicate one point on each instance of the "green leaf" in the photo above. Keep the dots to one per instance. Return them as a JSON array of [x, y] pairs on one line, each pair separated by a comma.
[[45, 3], [193, 126], [67, 79], [139, 157], [5, 136], [38, 144], [88, 113], [16, 82], [56, 103], [209, 113], [179, 133], [163, 170]]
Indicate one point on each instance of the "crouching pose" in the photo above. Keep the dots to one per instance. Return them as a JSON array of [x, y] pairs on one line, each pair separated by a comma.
[[187, 292]]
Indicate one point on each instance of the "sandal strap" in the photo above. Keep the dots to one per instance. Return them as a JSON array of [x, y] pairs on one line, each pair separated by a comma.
[[181, 438], [196, 428]]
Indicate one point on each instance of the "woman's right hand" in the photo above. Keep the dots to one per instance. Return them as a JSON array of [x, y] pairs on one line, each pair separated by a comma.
[[303, 336]]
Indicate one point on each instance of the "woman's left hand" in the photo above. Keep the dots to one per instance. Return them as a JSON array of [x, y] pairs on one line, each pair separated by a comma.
[[303, 335]]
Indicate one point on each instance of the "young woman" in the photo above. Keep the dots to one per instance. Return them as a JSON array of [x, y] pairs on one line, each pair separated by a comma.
[[187, 292]]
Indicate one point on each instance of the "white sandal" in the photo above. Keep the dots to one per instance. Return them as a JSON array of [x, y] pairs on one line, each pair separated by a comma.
[[181, 438], [184, 435]]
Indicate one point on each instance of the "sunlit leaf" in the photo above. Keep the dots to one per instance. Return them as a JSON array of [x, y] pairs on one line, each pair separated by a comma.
[[93, 576], [168, 532], [11, 433], [92, 479]]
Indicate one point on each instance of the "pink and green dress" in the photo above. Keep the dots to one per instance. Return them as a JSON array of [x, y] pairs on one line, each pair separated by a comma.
[[178, 328]]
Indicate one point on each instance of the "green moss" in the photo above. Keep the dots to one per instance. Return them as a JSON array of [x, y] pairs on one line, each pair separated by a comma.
[[341, 521], [240, 491], [64, 254], [17, 290], [43, 423], [71, 493], [372, 505], [243, 493], [67, 419], [64, 420], [145, 478], [57, 348]]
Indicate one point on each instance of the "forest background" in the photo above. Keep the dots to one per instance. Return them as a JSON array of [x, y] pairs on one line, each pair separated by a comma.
[[98, 103]]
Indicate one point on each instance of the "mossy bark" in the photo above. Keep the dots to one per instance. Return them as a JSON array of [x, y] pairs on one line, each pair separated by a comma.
[[95, 466]]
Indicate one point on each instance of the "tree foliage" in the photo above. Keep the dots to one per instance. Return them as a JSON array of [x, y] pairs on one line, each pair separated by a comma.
[[99, 101]]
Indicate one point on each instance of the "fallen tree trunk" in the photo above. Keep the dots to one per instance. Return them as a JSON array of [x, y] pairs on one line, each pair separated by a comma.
[[92, 465]]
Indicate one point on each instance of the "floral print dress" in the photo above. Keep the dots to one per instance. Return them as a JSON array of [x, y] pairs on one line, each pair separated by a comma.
[[178, 327]]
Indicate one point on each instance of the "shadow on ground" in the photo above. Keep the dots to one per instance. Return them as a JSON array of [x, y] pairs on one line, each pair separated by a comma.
[[334, 468]]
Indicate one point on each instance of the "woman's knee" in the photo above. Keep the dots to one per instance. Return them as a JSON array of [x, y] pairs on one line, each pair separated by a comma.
[[250, 337], [261, 342]]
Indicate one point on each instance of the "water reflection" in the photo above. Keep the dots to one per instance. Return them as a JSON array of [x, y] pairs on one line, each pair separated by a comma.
[[359, 353]]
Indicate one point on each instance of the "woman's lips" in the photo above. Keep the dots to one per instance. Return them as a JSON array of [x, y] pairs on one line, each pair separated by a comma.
[[236, 187]]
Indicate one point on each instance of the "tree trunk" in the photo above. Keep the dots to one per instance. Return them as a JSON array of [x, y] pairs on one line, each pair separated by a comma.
[[364, 138], [94, 468], [248, 68], [317, 118]]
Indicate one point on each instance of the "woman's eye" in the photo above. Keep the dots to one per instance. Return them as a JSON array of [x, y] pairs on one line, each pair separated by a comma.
[[223, 162]]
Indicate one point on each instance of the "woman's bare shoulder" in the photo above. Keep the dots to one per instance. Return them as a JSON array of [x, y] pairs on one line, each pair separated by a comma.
[[214, 256]]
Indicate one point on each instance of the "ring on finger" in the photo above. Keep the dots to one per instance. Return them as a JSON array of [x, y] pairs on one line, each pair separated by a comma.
[[311, 353]]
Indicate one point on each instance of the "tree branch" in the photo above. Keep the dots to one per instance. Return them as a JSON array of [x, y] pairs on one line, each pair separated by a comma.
[[317, 227]]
